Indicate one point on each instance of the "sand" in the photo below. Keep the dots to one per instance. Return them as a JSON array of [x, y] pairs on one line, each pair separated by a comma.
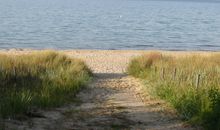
[[113, 100]]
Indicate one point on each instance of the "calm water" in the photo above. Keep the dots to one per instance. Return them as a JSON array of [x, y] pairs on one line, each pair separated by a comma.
[[109, 24]]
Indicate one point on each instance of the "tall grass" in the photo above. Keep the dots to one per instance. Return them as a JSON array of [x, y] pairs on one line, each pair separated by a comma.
[[175, 79], [38, 80]]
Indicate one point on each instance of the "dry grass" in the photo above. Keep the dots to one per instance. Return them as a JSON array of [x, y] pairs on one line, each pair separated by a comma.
[[38, 80], [174, 78]]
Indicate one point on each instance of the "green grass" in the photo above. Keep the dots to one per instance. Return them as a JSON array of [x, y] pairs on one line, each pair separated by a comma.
[[174, 79], [38, 80]]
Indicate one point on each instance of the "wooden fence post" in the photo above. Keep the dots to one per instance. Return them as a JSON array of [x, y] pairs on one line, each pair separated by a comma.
[[174, 73], [28, 70], [198, 81], [155, 69], [14, 71], [162, 74]]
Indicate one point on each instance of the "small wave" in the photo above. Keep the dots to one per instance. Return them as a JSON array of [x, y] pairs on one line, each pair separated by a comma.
[[207, 45], [143, 45]]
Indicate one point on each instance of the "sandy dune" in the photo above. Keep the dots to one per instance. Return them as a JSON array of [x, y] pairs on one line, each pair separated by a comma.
[[113, 100]]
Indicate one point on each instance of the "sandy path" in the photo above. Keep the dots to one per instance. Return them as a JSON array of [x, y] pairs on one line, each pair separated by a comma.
[[112, 101]]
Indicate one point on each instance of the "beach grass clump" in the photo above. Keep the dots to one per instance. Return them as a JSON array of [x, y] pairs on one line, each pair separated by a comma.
[[38, 80], [191, 84]]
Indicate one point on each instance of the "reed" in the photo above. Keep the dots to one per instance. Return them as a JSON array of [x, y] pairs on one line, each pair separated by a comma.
[[38, 80], [191, 84]]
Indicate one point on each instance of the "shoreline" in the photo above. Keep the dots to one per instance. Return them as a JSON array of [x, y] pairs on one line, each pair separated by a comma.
[[132, 53], [122, 50], [116, 50]]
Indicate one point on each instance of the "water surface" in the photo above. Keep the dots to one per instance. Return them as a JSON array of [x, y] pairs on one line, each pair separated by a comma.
[[110, 24]]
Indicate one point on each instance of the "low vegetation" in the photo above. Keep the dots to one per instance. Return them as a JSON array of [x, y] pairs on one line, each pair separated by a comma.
[[38, 80], [191, 84]]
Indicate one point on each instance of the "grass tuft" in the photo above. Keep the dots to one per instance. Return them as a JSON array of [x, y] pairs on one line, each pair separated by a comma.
[[175, 79], [38, 80]]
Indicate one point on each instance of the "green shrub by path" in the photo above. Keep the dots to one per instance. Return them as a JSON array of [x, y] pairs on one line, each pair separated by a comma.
[[38, 80], [191, 84]]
